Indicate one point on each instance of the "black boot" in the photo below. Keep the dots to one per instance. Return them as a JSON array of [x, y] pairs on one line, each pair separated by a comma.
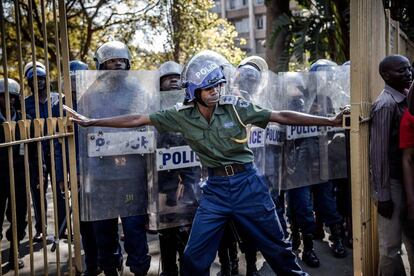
[[20, 263], [295, 237], [338, 249], [111, 272], [308, 256]]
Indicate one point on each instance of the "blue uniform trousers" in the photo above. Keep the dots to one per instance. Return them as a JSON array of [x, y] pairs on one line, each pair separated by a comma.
[[136, 246], [319, 198], [245, 199]]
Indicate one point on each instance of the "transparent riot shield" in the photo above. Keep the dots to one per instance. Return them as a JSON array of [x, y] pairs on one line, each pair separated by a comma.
[[249, 83], [113, 162], [275, 134], [311, 153], [172, 200]]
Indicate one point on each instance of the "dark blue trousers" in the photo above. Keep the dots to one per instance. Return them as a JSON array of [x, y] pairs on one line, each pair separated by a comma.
[[245, 199], [136, 246], [319, 198]]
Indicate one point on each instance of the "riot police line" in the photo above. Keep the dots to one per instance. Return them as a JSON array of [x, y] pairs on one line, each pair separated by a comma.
[[155, 178], [304, 156]]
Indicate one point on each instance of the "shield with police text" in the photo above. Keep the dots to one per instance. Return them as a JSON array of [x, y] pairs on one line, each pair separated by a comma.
[[275, 134], [314, 154], [114, 163], [251, 84], [172, 199]]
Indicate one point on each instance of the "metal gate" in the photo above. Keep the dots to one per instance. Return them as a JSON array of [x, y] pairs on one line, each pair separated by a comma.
[[58, 257]]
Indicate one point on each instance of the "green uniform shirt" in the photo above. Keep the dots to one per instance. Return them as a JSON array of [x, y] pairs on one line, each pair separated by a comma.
[[212, 141]]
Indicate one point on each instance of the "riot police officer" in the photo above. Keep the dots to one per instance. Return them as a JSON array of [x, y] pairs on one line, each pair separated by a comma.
[[301, 206], [173, 240], [115, 55], [19, 171], [43, 113], [86, 227], [326, 209], [215, 127]]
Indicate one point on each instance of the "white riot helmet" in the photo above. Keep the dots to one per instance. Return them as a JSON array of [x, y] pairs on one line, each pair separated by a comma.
[[252, 74], [257, 61], [112, 50], [13, 87], [29, 66], [170, 68]]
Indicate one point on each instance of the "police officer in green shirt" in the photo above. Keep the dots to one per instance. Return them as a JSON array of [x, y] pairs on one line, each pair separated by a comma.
[[215, 128]]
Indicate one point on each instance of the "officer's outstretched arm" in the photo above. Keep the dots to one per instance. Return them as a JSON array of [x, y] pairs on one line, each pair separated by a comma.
[[302, 119], [124, 121]]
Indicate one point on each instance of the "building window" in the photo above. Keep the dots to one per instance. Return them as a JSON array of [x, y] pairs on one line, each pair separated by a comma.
[[259, 22], [232, 4], [259, 2], [244, 2], [242, 26]]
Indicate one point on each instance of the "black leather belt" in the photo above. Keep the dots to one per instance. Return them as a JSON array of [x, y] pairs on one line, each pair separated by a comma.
[[228, 170]]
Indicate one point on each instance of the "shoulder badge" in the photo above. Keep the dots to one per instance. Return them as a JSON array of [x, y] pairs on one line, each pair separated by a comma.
[[243, 103], [228, 99], [181, 106]]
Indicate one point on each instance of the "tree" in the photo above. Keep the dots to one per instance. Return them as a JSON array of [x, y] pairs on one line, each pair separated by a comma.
[[275, 50], [190, 26], [316, 28], [402, 11]]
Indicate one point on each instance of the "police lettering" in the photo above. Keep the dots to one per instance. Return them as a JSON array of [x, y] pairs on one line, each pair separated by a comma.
[[304, 129], [274, 135], [256, 137], [179, 157], [205, 70], [141, 142]]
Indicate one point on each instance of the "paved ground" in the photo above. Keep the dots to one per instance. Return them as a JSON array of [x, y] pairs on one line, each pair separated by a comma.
[[329, 265]]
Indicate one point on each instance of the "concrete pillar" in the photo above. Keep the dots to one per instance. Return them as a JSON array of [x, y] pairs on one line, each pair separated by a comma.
[[252, 28]]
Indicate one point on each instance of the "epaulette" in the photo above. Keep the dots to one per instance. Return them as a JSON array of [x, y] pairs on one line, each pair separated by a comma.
[[181, 106], [228, 99], [243, 103], [233, 100]]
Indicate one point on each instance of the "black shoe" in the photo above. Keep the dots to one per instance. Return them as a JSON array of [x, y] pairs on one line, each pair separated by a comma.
[[309, 257], [92, 272], [111, 272], [20, 263], [38, 237], [337, 247]]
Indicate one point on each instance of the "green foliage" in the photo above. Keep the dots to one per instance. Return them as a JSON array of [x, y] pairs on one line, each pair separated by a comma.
[[185, 27], [189, 27], [317, 29], [402, 11]]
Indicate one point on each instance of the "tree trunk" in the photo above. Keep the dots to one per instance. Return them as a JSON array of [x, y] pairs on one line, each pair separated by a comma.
[[276, 8]]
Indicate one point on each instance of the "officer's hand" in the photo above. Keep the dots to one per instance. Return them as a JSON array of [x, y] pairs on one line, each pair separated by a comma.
[[78, 118], [337, 120], [386, 208]]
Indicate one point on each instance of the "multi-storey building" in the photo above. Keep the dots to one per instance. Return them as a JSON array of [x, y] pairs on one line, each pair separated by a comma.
[[249, 18]]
